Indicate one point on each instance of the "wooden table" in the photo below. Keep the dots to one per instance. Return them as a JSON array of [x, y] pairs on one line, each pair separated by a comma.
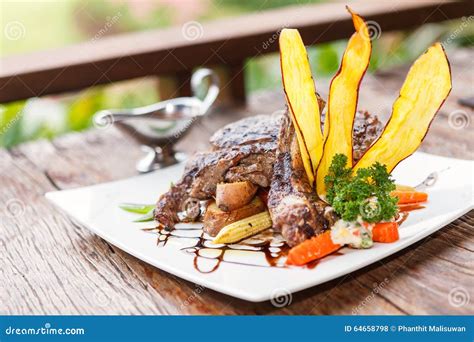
[[52, 265]]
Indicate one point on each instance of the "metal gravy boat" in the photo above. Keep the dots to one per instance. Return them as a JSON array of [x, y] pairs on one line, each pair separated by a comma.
[[160, 125]]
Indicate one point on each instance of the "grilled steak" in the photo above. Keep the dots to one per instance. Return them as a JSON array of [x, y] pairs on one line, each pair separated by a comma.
[[242, 151], [294, 207], [366, 129], [252, 130]]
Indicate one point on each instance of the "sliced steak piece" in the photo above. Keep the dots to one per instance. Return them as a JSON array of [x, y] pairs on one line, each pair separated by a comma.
[[212, 167], [294, 207]]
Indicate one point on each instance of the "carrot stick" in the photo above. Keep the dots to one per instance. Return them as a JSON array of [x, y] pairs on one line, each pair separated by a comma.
[[385, 232], [407, 197], [312, 249]]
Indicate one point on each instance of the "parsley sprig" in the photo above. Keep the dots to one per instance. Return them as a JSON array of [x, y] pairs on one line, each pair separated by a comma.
[[365, 193]]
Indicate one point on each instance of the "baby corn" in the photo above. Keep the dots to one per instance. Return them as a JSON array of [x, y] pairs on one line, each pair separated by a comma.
[[244, 228]]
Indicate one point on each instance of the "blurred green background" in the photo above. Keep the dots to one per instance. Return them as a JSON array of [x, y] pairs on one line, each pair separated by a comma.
[[38, 25]]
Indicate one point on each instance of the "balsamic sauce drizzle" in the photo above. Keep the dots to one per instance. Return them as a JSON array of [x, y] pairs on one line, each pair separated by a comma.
[[269, 243], [272, 247]]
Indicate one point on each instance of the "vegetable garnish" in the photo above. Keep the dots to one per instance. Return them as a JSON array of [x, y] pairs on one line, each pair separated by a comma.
[[301, 97], [342, 100], [385, 232], [137, 208], [244, 228], [365, 194], [426, 86], [409, 197], [315, 248], [150, 216], [145, 209]]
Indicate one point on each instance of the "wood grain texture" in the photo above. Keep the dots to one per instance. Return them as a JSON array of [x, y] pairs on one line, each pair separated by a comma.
[[51, 265]]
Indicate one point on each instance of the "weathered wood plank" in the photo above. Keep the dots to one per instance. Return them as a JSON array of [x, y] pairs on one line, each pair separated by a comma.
[[37, 278]]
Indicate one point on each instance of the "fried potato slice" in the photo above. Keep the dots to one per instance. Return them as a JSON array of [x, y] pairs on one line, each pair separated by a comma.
[[215, 219], [301, 97], [342, 101], [426, 86]]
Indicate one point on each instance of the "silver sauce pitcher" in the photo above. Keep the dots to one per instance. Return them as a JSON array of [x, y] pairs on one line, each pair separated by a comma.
[[160, 125]]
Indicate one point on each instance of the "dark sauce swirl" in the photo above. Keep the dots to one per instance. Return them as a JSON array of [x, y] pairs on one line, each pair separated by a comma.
[[270, 243]]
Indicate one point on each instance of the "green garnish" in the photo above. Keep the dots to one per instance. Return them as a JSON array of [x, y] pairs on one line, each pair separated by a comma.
[[365, 194], [150, 216], [137, 208]]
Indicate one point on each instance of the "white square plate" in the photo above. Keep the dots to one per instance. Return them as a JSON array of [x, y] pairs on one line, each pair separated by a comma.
[[97, 208]]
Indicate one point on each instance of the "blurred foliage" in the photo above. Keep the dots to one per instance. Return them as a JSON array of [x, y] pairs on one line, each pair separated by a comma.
[[10, 123], [73, 21]]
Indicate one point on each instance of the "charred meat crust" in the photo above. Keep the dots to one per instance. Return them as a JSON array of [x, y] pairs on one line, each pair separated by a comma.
[[252, 130], [366, 129], [243, 151], [294, 207]]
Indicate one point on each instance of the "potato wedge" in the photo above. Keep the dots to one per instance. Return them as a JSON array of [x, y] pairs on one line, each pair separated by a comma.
[[231, 196], [342, 101], [301, 97], [215, 219], [426, 86]]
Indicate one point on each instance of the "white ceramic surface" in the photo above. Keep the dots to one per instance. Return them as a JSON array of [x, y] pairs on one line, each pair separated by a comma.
[[97, 208]]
